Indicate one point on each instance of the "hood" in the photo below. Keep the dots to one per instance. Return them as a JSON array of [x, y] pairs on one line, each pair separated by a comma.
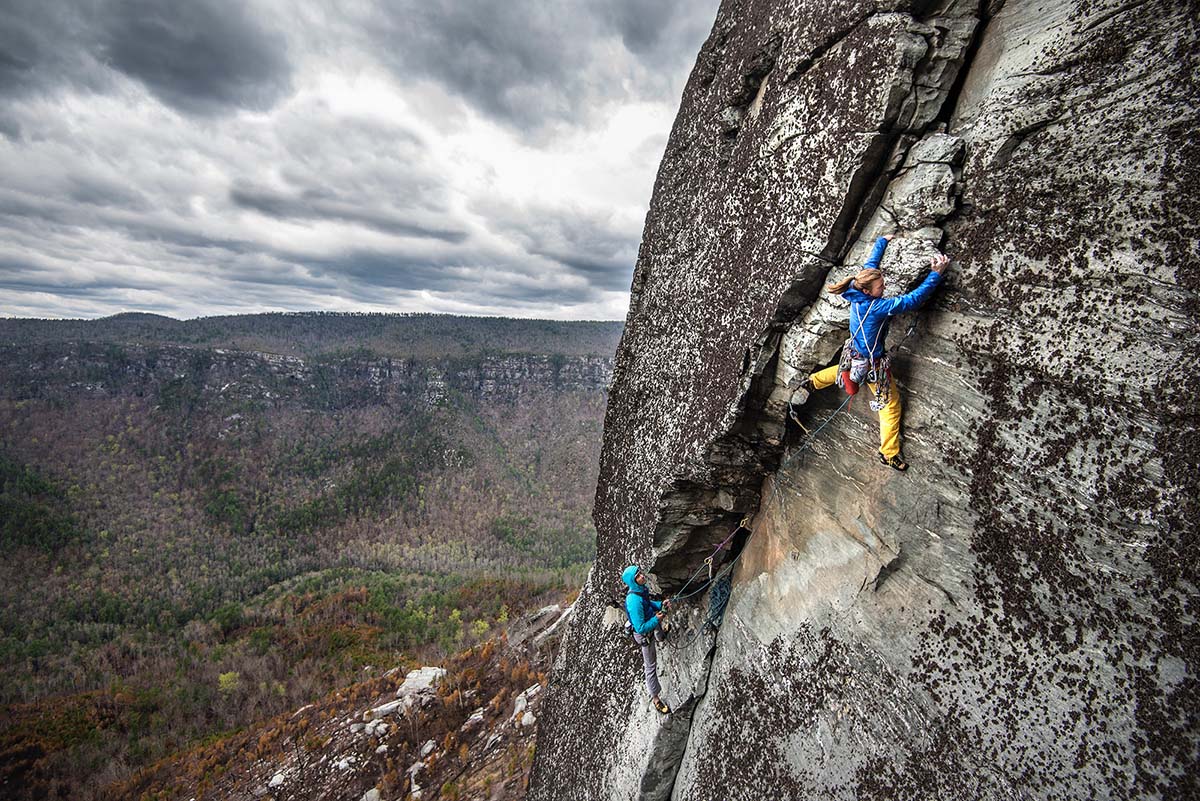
[[628, 575]]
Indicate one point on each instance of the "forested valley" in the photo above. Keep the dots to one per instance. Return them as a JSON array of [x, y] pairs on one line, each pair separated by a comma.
[[207, 523]]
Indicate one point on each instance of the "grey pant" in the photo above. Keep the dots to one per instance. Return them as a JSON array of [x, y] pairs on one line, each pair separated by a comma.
[[650, 661]]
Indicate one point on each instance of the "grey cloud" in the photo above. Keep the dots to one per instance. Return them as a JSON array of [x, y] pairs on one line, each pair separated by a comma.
[[100, 209], [44, 43], [155, 206], [97, 191], [650, 28], [589, 244], [363, 172], [466, 278], [198, 56], [325, 205], [396, 270], [10, 128], [175, 235], [539, 61]]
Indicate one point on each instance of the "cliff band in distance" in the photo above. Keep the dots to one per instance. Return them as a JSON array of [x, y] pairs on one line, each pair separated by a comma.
[[1015, 617]]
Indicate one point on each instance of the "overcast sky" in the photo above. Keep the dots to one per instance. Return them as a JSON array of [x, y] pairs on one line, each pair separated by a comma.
[[228, 156]]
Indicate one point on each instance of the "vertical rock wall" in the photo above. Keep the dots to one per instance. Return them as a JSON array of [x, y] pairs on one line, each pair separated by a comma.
[[1015, 617]]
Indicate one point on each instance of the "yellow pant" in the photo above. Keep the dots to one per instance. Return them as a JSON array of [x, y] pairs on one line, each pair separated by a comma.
[[889, 417]]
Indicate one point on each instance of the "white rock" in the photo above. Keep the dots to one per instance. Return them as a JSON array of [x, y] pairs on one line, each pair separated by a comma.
[[528, 719], [427, 748], [472, 722], [414, 788], [355, 728], [381, 749], [522, 701], [565, 614], [384, 709], [276, 780], [419, 684], [371, 795]]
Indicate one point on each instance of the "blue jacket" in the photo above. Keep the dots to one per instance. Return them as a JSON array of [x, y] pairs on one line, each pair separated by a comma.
[[874, 313], [638, 604]]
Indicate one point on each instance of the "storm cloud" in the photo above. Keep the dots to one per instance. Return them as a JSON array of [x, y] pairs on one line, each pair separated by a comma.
[[198, 56], [218, 156], [532, 62]]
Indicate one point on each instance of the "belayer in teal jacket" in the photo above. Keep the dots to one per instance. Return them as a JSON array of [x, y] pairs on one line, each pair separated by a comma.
[[644, 616], [643, 612]]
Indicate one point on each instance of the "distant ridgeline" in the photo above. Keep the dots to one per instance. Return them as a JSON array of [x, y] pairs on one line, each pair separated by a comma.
[[265, 504], [319, 360], [331, 333]]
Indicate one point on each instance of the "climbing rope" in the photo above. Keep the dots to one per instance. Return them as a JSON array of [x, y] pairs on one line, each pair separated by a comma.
[[726, 571], [717, 601]]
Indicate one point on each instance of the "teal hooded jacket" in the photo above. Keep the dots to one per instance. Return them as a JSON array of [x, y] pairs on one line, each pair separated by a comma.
[[638, 605]]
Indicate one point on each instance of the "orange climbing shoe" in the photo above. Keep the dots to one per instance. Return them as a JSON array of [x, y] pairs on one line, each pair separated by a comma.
[[661, 705]]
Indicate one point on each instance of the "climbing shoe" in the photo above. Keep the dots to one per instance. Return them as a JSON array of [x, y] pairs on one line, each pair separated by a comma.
[[661, 705], [896, 462]]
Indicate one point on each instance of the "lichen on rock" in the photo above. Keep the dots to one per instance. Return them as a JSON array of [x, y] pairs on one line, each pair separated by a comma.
[[1015, 617]]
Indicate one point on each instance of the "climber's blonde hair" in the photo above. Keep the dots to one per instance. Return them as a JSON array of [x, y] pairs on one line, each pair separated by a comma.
[[863, 280]]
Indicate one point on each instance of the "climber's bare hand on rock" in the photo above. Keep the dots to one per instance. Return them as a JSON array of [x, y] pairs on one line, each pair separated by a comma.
[[939, 262]]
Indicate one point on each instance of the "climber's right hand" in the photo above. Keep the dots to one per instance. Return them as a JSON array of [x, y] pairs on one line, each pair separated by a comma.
[[939, 263]]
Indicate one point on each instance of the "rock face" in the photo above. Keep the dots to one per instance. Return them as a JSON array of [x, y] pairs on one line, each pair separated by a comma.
[[1015, 617]]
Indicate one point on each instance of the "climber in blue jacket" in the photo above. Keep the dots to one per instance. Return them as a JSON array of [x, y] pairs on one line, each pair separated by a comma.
[[865, 352], [645, 616]]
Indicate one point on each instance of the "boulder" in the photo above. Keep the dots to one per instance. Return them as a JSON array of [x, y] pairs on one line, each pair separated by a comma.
[[420, 686]]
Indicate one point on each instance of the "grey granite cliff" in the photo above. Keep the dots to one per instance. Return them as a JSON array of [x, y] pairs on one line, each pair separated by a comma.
[[1015, 617]]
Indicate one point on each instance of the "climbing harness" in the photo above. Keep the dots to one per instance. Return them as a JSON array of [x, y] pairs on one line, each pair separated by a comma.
[[854, 367]]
